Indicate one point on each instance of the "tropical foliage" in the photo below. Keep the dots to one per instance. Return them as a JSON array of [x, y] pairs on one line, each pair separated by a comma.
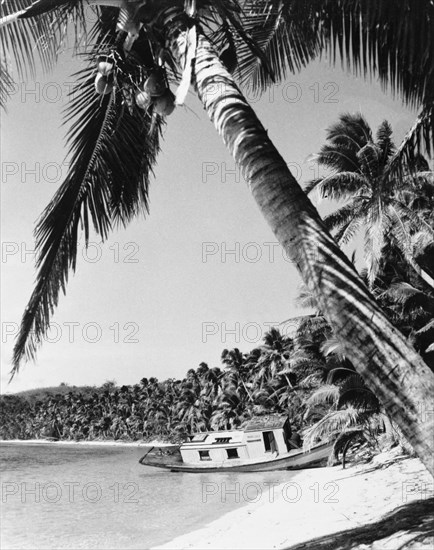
[[391, 207], [394, 211]]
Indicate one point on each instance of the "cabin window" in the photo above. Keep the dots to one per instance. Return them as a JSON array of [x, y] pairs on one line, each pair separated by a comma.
[[232, 453], [204, 455], [269, 442]]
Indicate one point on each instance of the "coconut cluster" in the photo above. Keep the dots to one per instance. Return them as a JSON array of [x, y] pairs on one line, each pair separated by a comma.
[[156, 91], [153, 91]]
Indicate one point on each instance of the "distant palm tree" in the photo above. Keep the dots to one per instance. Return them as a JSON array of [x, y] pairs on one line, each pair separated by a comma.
[[274, 356], [114, 146], [376, 200]]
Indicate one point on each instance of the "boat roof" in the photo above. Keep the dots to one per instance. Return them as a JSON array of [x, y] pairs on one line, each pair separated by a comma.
[[210, 438], [268, 422]]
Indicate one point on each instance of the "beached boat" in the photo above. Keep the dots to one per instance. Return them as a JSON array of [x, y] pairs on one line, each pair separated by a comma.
[[265, 443]]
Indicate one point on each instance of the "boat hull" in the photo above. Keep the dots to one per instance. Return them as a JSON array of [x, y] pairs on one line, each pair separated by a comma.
[[294, 460]]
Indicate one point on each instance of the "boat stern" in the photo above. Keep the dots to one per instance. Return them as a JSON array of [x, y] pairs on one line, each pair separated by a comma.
[[164, 456]]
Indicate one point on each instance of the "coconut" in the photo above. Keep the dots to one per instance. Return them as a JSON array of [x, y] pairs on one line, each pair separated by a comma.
[[155, 84], [105, 65], [143, 99], [164, 105], [229, 59], [103, 85]]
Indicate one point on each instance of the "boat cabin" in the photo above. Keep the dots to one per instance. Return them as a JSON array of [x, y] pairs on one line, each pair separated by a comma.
[[263, 437]]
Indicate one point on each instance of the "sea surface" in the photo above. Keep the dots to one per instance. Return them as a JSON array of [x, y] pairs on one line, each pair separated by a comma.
[[85, 496]]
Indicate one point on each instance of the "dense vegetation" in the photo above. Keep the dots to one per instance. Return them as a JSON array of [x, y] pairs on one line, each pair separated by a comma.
[[268, 378]]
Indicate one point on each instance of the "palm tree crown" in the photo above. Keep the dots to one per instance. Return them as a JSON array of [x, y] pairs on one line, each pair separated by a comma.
[[377, 199]]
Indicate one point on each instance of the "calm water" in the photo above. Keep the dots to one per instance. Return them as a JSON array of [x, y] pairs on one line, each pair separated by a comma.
[[76, 496]]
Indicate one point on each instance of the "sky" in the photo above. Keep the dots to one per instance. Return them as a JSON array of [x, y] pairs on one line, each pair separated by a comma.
[[202, 272]]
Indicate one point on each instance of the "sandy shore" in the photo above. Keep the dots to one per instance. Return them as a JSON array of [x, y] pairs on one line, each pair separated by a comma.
[[380, 506], [154, 443]]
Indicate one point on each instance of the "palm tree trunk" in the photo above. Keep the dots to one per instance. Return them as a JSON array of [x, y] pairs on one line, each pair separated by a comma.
[[389, 365]]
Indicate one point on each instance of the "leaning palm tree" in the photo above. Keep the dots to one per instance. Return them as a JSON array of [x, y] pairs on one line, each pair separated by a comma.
[[114, 146], [376, 199]]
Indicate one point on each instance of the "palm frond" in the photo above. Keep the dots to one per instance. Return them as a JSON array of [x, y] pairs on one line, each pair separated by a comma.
[[340, 185], [334, 371], [328, 393], [112, 154], [333, 346], [373, 38], [352, 131], [22, 38], [348, 231], [401, 291], [406, 221], [22, 35], [231, 14], [409, 297], [6, 84], [374, 242], [312, 185], [333, 423], [420, 138], [344, 440], [338, 157], [41, 7], [288, 37], [305, 298], [370, 158], [346, 214], [388, 39], [354, 392], [426, 328], [385, 143]]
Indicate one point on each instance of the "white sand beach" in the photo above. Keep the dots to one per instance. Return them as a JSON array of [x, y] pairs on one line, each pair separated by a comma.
[[326, 502]]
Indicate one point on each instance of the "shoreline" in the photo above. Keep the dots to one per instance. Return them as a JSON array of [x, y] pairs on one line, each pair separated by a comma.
[[96, 443], [324, 507]]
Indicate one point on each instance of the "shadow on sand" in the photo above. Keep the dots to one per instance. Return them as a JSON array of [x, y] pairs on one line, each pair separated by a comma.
[[415, 516]]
